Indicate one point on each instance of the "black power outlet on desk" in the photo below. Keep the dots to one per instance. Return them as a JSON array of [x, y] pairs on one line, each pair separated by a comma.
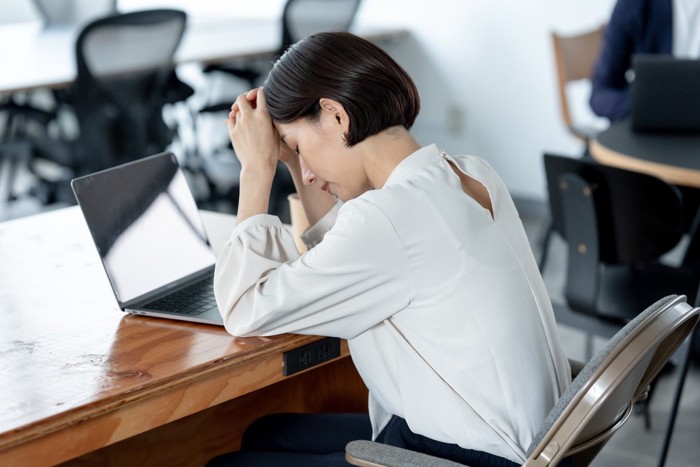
[[309, 355]]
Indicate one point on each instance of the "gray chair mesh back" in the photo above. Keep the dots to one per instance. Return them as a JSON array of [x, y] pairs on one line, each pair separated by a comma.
[[616, 377], [119, 48], [125, 69], [302, 18], [74, 11]]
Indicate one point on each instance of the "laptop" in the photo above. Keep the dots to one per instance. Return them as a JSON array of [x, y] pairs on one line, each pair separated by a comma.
[[665, 94], [146, 227]]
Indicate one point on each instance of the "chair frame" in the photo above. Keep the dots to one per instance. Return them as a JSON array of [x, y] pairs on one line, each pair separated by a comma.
[[664, 330]]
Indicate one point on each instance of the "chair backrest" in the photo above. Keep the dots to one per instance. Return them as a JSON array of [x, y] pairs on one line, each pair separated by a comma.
[[125, 65], [601, 397], [302, 18], [74, 11], [617, 224], [575, 57], [638, 216]]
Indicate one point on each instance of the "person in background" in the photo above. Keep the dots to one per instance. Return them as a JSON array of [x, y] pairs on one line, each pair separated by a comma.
[[419, 259], [640, 27]]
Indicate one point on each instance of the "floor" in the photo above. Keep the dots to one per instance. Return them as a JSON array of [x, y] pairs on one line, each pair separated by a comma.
[[633, 445]]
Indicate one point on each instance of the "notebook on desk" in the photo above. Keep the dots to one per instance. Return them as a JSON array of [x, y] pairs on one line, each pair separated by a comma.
[[665, 94], [149, 235]]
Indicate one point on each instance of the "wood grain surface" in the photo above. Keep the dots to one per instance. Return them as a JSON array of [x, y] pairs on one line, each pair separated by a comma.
[[78, 374]]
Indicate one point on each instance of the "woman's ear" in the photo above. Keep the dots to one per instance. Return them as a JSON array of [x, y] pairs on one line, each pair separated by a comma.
[[334, 115]]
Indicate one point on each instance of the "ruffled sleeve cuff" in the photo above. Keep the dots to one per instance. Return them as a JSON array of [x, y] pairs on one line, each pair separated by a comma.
[[263, 220]]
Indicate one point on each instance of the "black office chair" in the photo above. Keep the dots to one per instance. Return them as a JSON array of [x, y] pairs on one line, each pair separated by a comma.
[[617, 224], [596, 404], [55, 12], [22, 121], [26, 120], [72, 13], [125, 78], [300, 18]]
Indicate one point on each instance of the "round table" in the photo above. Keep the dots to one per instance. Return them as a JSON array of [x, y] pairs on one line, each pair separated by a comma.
[[672, 157]]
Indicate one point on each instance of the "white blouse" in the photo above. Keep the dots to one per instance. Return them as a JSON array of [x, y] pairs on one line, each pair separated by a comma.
[[686, 28], [447, 318]]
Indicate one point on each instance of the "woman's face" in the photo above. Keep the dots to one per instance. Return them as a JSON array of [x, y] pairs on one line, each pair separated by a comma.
[[325, 160]]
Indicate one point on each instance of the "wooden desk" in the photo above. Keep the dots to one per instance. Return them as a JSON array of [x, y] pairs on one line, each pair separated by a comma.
[[674, 158], [34, 57], [81, 378]]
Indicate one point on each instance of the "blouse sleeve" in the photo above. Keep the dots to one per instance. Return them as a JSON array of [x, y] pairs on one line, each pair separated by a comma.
[[314, 234], [355, 278]]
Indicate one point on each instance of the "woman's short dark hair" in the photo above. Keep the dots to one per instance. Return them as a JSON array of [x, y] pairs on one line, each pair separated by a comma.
[[374, 90]]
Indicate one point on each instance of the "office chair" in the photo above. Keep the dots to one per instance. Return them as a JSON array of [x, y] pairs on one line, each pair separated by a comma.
[[125, 78], [617, 224], [300, 18], [21, 114], [595, 405], [21, 121], [72, 13], [54, 12], [575, 57]]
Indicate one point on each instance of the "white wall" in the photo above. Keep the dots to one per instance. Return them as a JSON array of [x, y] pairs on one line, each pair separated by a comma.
[[486, 75], [16, 11], [484, 68]]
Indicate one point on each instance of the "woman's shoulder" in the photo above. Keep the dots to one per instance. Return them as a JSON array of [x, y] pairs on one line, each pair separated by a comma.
[[476, 167]]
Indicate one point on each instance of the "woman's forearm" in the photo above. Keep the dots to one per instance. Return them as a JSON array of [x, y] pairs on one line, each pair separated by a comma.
[[254, 197]]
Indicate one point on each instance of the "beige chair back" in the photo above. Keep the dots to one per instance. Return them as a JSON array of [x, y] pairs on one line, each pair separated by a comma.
[[575, 58]]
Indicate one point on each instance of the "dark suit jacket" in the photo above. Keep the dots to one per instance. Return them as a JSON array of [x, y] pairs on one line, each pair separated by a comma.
[[636, 26]]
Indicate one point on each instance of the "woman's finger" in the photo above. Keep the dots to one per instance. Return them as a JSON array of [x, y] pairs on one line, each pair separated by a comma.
[[243, 103], [252, 94], [261, 100]]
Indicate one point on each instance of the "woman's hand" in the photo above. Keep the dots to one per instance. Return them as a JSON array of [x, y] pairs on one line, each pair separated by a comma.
[[288, 155], [254, 138], [257, 147]]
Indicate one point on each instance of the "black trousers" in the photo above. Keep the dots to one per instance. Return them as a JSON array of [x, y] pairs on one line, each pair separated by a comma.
[[300, 440]]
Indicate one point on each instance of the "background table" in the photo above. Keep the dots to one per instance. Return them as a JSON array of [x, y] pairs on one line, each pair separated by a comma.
[[673, 157], [81, 378], [35, 57]]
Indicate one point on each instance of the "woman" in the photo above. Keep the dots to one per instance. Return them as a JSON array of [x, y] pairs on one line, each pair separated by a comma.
[[424, 266], [638, 27]]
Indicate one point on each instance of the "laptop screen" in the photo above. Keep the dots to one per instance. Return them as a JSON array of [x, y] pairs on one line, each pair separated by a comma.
[[665, 94], [145, 224]]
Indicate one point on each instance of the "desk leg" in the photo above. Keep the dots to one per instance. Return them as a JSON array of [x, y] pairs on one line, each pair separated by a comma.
[[193, 440]]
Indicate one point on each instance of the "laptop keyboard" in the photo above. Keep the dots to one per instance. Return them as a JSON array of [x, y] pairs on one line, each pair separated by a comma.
[[192, 300]]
